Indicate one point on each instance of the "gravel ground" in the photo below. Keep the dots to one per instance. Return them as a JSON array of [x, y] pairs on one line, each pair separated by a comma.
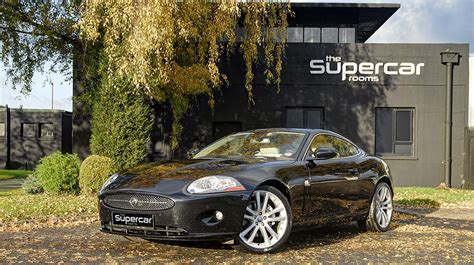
[[411, 239]]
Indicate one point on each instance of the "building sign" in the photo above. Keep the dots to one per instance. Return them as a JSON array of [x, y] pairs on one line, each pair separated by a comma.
[[363, 71]]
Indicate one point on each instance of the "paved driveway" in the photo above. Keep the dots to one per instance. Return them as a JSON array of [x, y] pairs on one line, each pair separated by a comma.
[[412, 239], [10, 184]]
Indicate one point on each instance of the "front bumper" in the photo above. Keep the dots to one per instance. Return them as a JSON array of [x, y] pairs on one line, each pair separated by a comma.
[[188, 219]]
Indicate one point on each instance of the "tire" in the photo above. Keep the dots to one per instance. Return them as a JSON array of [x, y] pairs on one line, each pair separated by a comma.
[[265, 229], [381, 210]]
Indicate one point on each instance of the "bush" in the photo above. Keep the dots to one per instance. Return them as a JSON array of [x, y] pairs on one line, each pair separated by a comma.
[[95, 170], [32, 185], [59, 173], [121, 124]]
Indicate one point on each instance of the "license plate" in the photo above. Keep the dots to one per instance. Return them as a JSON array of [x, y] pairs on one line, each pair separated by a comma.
[[132, 219]]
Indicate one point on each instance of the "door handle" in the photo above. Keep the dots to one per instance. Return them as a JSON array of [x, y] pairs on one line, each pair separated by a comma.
[[353, 171]]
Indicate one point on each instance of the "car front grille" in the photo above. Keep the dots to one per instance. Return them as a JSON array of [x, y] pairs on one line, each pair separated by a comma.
[[132, 201]]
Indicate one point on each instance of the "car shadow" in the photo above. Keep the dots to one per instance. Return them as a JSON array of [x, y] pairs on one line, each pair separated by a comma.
[[307, 236]]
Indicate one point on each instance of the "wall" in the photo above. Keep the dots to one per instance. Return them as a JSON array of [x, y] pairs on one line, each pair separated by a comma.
[[471, 91]]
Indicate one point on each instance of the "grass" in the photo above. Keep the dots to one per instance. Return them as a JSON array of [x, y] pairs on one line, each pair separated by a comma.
[[13, 173], [15, 205], [431, 197]]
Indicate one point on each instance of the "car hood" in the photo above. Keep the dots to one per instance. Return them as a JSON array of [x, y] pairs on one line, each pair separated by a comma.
[[171, 177]]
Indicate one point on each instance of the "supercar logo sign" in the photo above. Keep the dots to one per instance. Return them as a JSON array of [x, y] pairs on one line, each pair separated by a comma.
[[363, 71]]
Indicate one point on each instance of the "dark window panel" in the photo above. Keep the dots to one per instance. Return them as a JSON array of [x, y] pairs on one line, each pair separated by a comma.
[[294, 118], [383, 130], [46, 130], [313, 119], [403, 125], [28, 130]]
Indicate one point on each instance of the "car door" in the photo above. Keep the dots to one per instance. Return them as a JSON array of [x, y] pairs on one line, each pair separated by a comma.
[[334, 186]]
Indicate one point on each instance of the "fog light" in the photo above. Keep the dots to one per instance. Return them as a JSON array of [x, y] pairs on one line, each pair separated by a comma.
[[218, 215]]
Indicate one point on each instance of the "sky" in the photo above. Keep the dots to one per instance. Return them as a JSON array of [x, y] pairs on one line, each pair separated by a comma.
[[417, 21]]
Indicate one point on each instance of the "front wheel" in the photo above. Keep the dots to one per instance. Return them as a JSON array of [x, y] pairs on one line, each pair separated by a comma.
[[267, 221], [381, 210]]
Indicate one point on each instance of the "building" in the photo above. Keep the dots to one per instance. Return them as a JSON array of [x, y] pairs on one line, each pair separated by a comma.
[[26, 135], [390, 99]]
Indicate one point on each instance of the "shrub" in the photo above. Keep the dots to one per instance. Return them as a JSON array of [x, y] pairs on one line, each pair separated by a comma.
[[59, 173], [121, 124], [95, 170], [32, 185]]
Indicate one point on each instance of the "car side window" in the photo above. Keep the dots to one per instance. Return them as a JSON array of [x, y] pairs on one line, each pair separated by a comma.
[[342, 147], [321, 141]]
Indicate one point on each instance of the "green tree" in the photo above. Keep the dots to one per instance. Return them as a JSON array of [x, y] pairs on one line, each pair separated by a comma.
[[35, 32], [121, 124], [171, 50], [166, 50]]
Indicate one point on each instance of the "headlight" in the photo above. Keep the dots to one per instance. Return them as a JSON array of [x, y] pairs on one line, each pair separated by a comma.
[[213, 184], [110, 180]]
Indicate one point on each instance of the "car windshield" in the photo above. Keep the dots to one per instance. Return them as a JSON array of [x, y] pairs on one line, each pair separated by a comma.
[[260, 144]]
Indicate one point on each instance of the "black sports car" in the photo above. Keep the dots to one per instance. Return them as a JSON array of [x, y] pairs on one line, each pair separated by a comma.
[[253, 187]]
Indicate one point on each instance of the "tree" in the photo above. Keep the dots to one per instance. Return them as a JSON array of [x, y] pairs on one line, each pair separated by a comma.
[[171, 50], [35, 32], [166, 50]]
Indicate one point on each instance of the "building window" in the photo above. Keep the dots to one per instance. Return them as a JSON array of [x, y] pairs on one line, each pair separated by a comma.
[[329, 35], [223, 128], [346, 35], [311, 118], [28, 130], [295, 35], [394, 131], [312, 35], [46, 130], [2, 129]]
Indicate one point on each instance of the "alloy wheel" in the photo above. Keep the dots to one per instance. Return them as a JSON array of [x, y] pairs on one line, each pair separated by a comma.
[[383, 206], [265, 220]]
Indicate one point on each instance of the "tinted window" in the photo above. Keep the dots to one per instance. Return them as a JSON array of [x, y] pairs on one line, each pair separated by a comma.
[[347, 35], [394, 131], [295, 118], [342, 147], [46, 130], [329, 35], [2, 129], [311, 118], [295, 35], [312, 35], [28, 130]]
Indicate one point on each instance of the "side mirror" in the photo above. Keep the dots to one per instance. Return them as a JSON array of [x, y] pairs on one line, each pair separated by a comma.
[[324, 153], [191, 153]]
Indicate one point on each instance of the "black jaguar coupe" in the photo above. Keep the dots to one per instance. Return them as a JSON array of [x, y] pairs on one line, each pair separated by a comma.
[[253, 187]]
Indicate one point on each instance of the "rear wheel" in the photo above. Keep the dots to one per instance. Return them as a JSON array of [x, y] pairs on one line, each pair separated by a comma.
[[267, 221], [381, 210]]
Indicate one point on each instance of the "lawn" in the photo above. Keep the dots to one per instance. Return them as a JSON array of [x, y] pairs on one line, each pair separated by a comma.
[[15, 205], [13, 173], [432, 197]]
